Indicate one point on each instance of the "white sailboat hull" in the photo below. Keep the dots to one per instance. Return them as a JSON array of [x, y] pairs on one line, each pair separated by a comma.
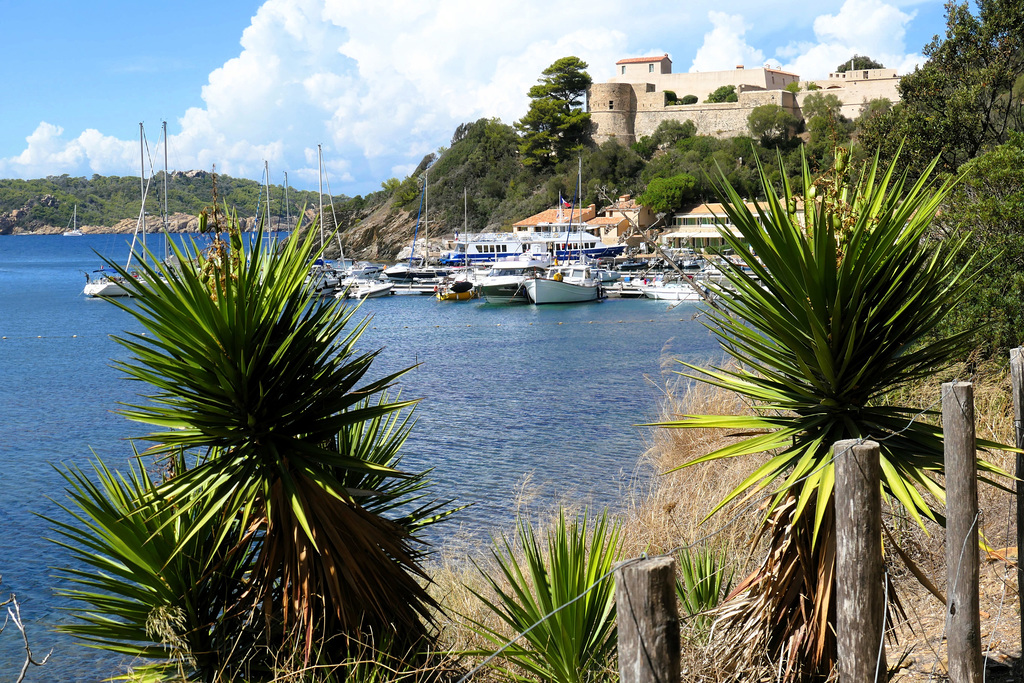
[[104, 287], [546, 291]]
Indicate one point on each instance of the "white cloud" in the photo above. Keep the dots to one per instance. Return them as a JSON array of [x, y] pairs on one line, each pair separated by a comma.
[[865, 27], [724, 45], [48, 153], [380, 84]]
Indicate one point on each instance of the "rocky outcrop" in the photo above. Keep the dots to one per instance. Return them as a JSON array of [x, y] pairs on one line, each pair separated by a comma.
[[375, 234], [17, 221]]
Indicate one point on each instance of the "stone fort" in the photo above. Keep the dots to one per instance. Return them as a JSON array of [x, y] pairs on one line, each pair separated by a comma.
[[632, 103]]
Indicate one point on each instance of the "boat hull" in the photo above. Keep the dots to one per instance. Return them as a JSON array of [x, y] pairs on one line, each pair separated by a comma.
[[670, 292], [547, 291], [511, 291], [104, 288]]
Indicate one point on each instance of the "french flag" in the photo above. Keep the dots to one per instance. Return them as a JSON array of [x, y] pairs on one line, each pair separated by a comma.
[[563, 202]]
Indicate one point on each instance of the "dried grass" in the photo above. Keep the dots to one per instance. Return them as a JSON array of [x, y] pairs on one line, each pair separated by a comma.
[[667, 510]]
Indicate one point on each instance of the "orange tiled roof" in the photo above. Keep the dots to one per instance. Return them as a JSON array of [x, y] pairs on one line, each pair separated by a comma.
[[641, 60], [551, 216], [606, 220]]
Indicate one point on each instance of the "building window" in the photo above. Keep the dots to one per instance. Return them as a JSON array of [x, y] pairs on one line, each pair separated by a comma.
[[623, 69], [865, 74], [611, 104], [650, 68]]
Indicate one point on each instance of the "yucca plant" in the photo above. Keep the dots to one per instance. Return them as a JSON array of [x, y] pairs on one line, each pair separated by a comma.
[[577, 642], [146, 594], [284, 455], [839, 310], [704, 579]]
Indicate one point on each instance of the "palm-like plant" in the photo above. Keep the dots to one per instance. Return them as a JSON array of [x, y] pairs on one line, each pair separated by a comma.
[[704, 579], [838, 311], [562, 601], [148, 595], [291, 454]]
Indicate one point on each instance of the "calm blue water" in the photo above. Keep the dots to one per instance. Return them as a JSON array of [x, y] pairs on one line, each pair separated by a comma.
[[550, 393]]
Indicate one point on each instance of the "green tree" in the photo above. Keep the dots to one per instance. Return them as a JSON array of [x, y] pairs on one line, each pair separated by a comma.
[[793, 87], [821, 104], [688, 99], [555, 124], [840, 310], [827, 126], [283, 520], [669, 194], [726, 93], [987, 209], [858, 63], [967, 95], [879, 106], [771, 124]]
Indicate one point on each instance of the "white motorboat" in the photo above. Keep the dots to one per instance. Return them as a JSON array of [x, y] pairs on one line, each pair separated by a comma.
[[323, 278], [671, 291], [403, 272], [505, 281], [357, 288], [567, 284]]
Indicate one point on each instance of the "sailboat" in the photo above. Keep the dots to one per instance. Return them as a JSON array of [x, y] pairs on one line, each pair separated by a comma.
[[111, 285], [74, 231], [409, 273]]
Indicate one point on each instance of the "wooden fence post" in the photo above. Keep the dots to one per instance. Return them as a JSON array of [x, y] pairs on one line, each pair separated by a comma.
[[963, 622], [1017, 389], [645, 601], [860, 580]]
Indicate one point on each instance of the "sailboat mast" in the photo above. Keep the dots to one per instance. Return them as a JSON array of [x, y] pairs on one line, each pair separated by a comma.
[[167, 235], [320, 172], [142, 183], [266, 211], [426, 214], [465, 227], [287, 210]]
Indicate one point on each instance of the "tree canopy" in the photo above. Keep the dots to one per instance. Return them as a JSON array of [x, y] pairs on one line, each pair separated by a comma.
[[988, 205], [726, 93], [858, 62], [771, 124], [555, 124], [967, 96], [670, 194]]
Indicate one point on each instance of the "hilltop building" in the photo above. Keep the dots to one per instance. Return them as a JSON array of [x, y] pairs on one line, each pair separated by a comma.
[[633, 103]]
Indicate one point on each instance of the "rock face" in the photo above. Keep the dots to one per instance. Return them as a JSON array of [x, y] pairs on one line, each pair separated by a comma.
[[16, 221], [376, 234]]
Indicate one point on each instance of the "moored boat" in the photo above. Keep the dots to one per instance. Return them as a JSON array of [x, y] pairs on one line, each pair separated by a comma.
[[567, 284], [455, 290], [74, 231], [671, 291], [505, 281]]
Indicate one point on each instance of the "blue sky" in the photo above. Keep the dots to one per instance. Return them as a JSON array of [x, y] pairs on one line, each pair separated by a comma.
[[377, 83]]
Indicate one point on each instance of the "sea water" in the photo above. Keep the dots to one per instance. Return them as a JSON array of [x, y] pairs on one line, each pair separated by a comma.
[[517, 403]]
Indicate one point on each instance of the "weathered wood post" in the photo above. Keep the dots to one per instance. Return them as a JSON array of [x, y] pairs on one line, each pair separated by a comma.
[[963, 621], [1017, 389], [645, 601], [860, 587]]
